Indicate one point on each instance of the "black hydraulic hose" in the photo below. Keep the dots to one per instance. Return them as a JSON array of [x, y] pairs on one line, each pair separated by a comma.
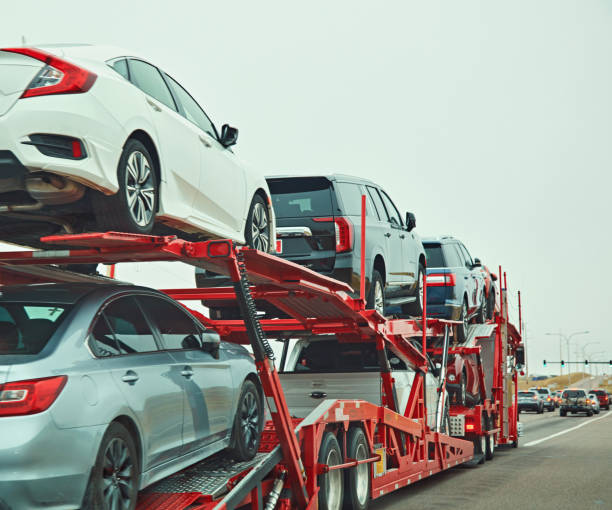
[[261, 346]]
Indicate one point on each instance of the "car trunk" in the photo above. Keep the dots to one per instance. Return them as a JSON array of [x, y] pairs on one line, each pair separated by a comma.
[[16, 73], [436, 265], [305, 212], [304, 392]]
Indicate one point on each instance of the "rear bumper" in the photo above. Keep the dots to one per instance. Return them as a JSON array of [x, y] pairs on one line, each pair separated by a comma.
[[42, 466], [528, 407], [450, 311], [76, 115], [577, 409]]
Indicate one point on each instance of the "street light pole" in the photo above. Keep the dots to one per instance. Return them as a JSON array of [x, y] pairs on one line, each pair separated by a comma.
[[567, 339]]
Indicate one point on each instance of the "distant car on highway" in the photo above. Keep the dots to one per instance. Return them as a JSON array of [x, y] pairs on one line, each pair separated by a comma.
[[575, 401], [105, 389], [603, 397], [557, 397], [455, 283], [546, 396], [93, 138], [594, 401], [530, 401]]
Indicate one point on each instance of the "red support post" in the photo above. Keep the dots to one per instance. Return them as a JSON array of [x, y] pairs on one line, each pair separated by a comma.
[[362, 295], [424, 315], [520, 314]]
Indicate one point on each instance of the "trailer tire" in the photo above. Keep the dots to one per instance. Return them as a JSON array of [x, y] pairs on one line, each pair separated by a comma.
[[357, 481], [116, 439], [331, 484], [114, 212], [490, 447], [246, 432]]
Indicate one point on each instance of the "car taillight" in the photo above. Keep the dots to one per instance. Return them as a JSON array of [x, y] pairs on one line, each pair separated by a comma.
[[535, 398], [548, 399], [57, 77], [344, 232], [30, 397], [441, 280]]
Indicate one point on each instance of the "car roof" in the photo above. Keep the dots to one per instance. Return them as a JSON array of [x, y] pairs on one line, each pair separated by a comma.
[[438, 239], [60, 293], [96, 52], [330, 177]]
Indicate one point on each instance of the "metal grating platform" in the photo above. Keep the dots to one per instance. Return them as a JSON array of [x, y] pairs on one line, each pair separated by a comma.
[[209, 477]]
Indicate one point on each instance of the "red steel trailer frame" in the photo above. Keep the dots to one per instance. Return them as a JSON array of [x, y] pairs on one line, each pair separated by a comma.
[[402, 445]]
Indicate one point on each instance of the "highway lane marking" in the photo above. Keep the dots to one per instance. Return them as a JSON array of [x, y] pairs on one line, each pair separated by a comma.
[[538, 441]]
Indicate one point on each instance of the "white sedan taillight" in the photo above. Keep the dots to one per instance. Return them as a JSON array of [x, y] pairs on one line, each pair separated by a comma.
[[57, 77]]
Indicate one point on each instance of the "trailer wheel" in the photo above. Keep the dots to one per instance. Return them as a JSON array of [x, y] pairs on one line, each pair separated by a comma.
[[133, 207], [248, 422], [113, 482], [357, 479], [490, 447], [331, 484]]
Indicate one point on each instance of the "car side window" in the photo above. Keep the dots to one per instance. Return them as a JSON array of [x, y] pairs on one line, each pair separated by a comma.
[[350, 194], [121, 67], [128, 323], [452, 256], [148, 79], [103, 339], [191, 109], [378, 204], [466, 255], [394, 216], [176, 327]]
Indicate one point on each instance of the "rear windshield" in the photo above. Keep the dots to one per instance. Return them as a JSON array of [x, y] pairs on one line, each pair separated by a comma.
[[574, 394], [542, 391], [334, 356], [433, 254], [526, 394], [600, 393], [301, 197], [26, 328]]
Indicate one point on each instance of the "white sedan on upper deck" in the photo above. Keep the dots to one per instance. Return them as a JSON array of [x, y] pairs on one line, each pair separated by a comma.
[[92, 138]]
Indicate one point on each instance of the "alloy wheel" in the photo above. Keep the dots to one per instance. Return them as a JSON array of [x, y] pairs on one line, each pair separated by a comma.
[[465, 318], [249, 420], [421, 290], [117, 471], [140, 188], [260, 228], [334, 484], [379, 300]]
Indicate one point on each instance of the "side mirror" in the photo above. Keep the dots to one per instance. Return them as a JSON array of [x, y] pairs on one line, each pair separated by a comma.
[[229, 135], [477, 263], [410, 221], [210, 343]]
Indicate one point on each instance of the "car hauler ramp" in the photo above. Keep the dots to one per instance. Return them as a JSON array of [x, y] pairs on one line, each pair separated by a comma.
[[401, 446]]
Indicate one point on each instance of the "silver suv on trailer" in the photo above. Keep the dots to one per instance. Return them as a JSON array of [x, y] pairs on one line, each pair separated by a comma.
[[105, 389]]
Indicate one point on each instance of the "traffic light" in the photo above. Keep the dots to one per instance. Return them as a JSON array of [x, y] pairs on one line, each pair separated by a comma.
[[586, 361], [544, 362], [562, 363]]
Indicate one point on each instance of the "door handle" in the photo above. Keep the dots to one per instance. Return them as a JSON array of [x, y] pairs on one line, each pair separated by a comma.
[[388, 234], [318, 394], [205, 141], [187, 372], [402, 236], [154, 105], [130, 377]]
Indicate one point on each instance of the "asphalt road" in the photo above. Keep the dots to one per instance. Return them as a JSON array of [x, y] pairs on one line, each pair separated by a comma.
[[571, 470]]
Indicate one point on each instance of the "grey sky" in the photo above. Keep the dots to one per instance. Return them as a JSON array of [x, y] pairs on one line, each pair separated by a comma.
[[490, 120]]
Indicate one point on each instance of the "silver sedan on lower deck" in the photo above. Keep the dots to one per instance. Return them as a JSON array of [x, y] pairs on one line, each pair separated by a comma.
[[105, 389]]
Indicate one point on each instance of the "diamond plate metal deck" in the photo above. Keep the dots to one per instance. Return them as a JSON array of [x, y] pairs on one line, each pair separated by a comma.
[[208, 477]]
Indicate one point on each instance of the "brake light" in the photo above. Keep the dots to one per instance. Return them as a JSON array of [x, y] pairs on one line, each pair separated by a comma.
[[57, 77], [344, 232], [441, 280], [535, 397], [30, 397], [547, 399]]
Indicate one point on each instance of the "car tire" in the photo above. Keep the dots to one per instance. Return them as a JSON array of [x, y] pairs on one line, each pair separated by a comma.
[[138, 184], [462, 328], [118, 452], [248, 422], [376, 296], [541, 410], [563, 412], [257, 228], [357, 480], [589, 413], [415, 309], [331, 484], [483, 313], [491, 303], [462, 393]]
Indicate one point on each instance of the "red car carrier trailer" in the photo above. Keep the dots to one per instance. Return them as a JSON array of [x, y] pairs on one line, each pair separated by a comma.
[[301, 462]]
